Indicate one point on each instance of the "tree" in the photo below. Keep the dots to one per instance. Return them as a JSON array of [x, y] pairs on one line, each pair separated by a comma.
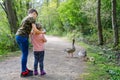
[[58, 3], [8, 7], [11, 15], [100, 35], [47, 2], [14, 13], [114, 23]]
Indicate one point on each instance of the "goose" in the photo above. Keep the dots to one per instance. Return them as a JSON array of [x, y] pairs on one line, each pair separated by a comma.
[[83, 54], [70, 51]]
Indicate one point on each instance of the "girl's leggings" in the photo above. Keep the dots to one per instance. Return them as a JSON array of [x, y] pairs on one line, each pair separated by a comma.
[[38, 58]]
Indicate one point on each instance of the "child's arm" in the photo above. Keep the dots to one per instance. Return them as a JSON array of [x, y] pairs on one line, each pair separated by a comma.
[[44, 39], [31, 37], [35, 30]]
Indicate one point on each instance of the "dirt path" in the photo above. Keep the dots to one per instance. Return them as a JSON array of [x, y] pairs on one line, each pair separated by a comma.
[[57, 65]]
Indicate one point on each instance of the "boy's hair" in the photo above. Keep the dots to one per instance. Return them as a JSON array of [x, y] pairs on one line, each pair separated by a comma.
[[39, 26], [32, 10]]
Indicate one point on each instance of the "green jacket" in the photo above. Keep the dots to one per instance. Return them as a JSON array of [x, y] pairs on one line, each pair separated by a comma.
[[26, 26]]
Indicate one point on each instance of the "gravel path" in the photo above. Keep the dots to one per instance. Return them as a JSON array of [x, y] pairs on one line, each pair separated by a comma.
[[57, 65]]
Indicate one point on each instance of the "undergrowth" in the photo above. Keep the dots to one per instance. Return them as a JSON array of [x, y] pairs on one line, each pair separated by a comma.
[[105, 67]]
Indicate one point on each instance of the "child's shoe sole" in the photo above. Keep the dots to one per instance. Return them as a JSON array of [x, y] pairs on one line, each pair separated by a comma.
[[27, 75], [43, 73]]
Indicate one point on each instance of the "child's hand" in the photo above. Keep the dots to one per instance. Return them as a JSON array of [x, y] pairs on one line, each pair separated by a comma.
[[44, 31]]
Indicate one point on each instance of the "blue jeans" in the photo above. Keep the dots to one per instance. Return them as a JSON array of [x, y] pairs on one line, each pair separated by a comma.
[[38, 58], [23, 44]]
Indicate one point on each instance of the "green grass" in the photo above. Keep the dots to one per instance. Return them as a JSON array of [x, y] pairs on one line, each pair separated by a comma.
[[104, 67], [8, 55]]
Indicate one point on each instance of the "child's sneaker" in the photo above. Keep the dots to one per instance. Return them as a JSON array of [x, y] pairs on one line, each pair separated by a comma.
[[35, 72], [26, 74], [29, 70], [43, 73]]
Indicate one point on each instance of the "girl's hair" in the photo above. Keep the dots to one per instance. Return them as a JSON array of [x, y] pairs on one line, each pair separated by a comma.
[[39, 26], [32, 10]]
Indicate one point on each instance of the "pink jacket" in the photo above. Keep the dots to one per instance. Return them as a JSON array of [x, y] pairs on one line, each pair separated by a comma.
[[38, 41]]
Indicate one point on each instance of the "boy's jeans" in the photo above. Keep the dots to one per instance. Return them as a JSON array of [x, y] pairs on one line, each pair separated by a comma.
[[38, 58], [23, 44]]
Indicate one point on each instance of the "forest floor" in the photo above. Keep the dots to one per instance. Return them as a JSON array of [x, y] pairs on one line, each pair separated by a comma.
[[57, 65]]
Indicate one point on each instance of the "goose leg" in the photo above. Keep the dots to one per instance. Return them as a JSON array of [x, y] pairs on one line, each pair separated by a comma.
[[71, 54]]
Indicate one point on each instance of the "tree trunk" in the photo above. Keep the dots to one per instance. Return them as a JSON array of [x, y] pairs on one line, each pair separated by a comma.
[[47, 2], [12, 19], [58, 3], [11, 15], [100, 35], [28, 4], [114, 23]]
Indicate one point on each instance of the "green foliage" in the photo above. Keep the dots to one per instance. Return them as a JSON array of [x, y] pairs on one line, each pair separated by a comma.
[[72, 16], [78, 16], [107, 36], [4, 33], [7, 39], [118, 13], [21, 8], [49, 18], [104, 67]]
